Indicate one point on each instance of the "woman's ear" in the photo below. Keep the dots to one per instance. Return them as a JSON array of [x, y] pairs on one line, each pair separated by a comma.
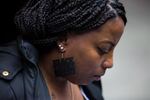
[[62, 44], [61, 47], [64, 41]]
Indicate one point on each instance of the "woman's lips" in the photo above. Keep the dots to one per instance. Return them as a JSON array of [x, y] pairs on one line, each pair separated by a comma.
[[98, 77]]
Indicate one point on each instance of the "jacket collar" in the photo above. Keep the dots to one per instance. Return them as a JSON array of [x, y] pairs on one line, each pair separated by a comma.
[[12, 55], [28, 51]]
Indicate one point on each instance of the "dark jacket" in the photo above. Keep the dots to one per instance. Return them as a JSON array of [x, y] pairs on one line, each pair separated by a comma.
[[21, 79]]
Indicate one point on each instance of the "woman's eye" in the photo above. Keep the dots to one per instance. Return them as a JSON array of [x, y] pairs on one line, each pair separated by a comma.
[[103, 50]]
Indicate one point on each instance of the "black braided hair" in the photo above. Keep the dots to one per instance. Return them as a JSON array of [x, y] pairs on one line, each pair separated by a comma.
[[45, 19]]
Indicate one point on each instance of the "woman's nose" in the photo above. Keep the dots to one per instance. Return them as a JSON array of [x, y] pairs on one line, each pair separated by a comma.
[[108, 63]]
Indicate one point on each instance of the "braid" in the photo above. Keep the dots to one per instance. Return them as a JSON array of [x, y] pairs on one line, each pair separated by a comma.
[[50, 18]]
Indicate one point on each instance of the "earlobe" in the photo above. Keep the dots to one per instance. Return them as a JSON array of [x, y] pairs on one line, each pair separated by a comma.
[[61, 47], [62, 44]]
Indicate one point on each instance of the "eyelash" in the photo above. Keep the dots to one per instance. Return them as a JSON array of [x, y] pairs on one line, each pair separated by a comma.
[[103, 50]]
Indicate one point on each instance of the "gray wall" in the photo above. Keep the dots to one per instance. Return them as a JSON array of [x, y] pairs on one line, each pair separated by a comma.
[[129, 79]]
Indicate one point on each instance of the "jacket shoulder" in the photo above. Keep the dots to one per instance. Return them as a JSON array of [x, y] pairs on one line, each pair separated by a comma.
[[10, 73], [10, 61]]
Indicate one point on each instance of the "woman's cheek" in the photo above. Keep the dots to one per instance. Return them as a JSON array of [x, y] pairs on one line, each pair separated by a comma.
[[93, 59]]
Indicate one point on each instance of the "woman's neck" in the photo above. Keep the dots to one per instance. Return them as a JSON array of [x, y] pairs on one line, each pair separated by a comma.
[[59, 88], [47, 70]]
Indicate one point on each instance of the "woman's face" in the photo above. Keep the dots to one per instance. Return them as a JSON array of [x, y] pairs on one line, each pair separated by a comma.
[[93, 51]]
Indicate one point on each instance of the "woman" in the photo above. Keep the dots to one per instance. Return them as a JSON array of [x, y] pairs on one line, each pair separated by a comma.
[[64, 48]]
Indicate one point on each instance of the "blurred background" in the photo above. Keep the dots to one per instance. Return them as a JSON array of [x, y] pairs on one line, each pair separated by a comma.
[[129, 79]]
